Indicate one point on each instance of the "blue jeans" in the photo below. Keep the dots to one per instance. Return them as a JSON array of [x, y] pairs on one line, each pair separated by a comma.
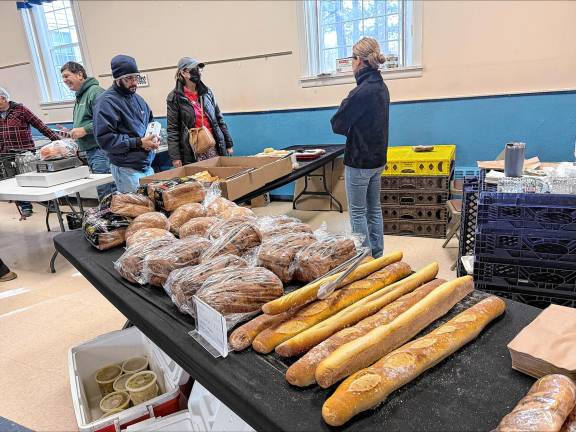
[[363, 191], [127, 178], [99, 164]]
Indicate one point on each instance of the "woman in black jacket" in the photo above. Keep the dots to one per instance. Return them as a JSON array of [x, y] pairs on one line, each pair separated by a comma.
[[363, 119], [184, 113]]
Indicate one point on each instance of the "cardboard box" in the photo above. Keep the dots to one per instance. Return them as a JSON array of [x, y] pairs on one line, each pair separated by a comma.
[[239, 175], [260, 201], [338, 185], [334, 182]]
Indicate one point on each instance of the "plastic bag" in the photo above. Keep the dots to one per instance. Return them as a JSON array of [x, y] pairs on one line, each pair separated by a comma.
[[60, 149], [146, 235], [184, 213], [240, 293], [267, 224], [130, 204], [160, 263], [131, 264], [171, 194], [148, 220], [198, 226], [182, 284], [237, 211], [214, 203], [104, 229], [287, 228], [277, 253], [235, 236]]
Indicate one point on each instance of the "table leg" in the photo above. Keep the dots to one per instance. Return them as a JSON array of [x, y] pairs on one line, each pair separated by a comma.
[[80, 206], [304, 190], [52, 267], [59, 213], [48, 217], [327, 191]]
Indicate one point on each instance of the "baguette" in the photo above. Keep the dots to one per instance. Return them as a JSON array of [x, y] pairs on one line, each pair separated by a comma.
[[243, 336], [322, 309], [369, 387], [302, 372], [308, 293], [351, 315], [544, 408], [365, 350]]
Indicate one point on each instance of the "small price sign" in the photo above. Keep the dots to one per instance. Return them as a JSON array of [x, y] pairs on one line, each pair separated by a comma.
[[211, 331]]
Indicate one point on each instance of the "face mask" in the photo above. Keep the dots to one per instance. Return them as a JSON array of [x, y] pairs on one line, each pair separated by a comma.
[[195, 76]]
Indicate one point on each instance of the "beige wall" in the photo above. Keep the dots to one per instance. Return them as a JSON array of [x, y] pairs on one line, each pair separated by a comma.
[[469, 48]]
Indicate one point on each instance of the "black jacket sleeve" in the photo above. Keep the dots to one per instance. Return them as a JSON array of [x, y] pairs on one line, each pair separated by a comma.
[[173, 120], [222, 124], [349, 112]]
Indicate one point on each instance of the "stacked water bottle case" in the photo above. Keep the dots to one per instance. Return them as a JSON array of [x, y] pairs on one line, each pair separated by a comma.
[[414, 189]]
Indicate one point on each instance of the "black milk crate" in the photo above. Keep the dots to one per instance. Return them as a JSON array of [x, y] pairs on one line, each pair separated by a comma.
[[415, 228], [426, 213], [414, 198], [542, 300], [427, 183], [468, 220], [520, 244], [531, 276], [529, 211]]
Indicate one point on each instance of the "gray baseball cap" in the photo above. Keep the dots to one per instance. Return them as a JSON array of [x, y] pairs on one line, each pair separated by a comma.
[[189, 63]]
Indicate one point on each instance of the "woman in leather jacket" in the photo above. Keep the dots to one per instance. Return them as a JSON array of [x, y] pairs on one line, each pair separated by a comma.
[[184, 105]]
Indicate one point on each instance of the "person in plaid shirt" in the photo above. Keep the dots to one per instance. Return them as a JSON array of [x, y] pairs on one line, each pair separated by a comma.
[[16, 133]]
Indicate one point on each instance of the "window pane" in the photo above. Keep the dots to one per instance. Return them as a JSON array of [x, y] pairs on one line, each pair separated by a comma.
[[327, 11], [351, 10], [329, 60], [370, 27], [61, 20], [60, 4], [50, 20], [70, 16], [392, 47], [392, 6], [369, 8]]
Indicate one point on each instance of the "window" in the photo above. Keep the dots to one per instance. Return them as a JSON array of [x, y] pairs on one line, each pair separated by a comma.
[[331, 27], [53, 38]]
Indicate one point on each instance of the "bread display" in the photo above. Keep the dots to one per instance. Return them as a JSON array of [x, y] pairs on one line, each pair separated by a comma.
[[172, 194], [131, 264], [182, 284], [148, 220], [130, 205], [197, 227], [180, 253], [308, 293], [322, 309], [239, 293], [218, 205], [237, 212], [145, 235], [322, 256], [104, 229], [277, 253], [185, 213], [302, 373], [234, 236], [364, 351], [545, 407], [369, 387]]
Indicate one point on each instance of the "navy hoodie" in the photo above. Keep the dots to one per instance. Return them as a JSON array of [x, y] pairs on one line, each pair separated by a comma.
[[120, 120]]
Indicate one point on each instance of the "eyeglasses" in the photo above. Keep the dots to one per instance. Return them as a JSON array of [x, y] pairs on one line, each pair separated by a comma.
[[131, 78]]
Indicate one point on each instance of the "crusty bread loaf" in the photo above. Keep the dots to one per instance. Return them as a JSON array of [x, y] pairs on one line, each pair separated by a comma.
[[130, 204], [147, 235], [369, 387], [308, 293], [148, 220], [218, 205], [302, 373], [172, 194], [570, 423], [354, 313], [322, 309], [544, 408], [317, 259], [364, 351], [183, 214], [197, 227]]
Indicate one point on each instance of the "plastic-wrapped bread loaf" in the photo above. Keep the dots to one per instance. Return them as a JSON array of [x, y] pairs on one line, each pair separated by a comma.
[[308, 293], [237, 212], [197, 227], [545, 407], [233, 236], [148, 220], [104, 229], [369, 387], [218, 205], [172, 194], [130, 204], [322, 309], [302, 373], [145, 235], [365, 350], [320, 257], [286, 228], [183, 214], [131, 264]]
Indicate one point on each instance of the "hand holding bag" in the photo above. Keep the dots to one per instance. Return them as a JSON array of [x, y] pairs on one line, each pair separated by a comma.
[[201, 139]]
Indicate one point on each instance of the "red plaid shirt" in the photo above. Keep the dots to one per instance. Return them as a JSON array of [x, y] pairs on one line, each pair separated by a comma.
[[15, 132]]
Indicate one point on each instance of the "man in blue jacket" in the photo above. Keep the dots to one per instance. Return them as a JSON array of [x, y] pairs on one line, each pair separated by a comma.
[[120, 121]]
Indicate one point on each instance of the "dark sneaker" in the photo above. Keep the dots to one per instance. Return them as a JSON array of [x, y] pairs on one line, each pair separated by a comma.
[[8, 277]]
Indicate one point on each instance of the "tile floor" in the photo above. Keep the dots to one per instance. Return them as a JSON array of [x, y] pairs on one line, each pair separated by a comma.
[[43, 314]]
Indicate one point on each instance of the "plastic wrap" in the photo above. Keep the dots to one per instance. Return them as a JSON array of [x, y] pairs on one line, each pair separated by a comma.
[[182, 284], [286, 228], [278, 252], [104, 229], [237, 211], [148, 220], [218, 205], [60, 149], [268, 223], [180, 253], [327, 252], [130, 204], [198, 226], [240, 293], [146, 235], [570, 423], [184, 213], [149, 189], [172, 194], [234, 236], [544, 408], [131, 264]]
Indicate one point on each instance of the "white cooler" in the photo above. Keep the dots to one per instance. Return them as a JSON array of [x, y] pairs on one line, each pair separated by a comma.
[[115, 347]]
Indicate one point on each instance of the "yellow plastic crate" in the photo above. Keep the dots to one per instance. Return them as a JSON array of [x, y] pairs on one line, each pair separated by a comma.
[[403, 161]]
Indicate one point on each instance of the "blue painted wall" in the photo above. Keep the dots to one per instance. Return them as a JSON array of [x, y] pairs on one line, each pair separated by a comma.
[[478, 126]]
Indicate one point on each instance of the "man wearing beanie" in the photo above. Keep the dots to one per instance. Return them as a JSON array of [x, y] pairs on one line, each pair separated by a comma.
[[120, 121]]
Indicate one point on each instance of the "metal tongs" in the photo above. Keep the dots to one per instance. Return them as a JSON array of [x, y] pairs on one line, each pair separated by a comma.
[[328, 288]]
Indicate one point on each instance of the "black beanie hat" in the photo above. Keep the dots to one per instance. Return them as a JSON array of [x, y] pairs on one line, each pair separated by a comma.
[[123, 65]]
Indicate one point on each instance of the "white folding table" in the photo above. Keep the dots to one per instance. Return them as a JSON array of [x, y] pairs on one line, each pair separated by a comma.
[[10, 191]]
